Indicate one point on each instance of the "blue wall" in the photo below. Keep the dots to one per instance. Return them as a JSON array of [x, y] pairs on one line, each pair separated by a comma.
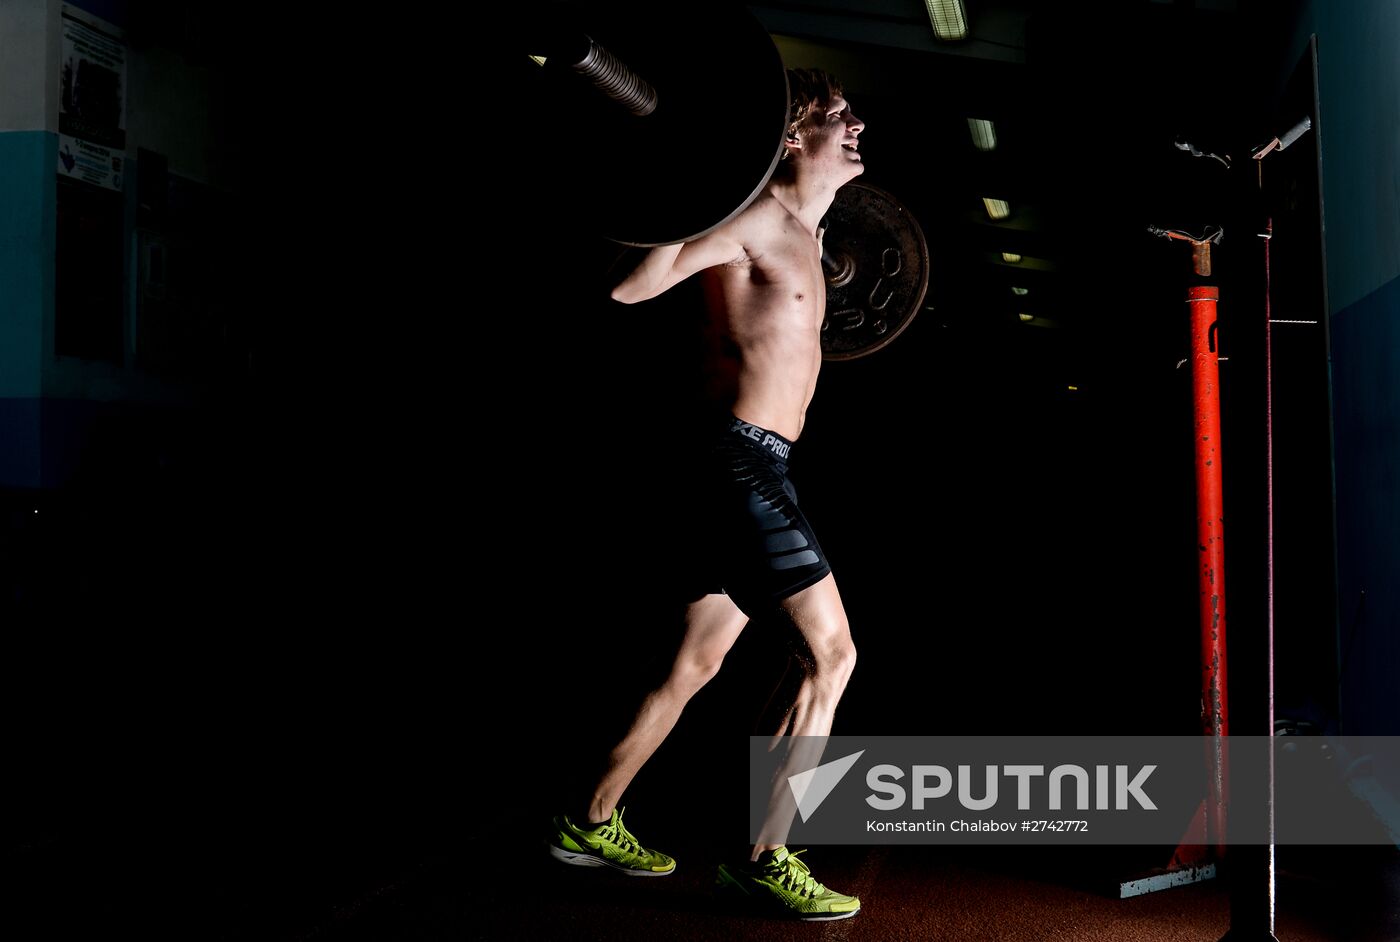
[[27, 199], [1366, 357], [1359, 123]]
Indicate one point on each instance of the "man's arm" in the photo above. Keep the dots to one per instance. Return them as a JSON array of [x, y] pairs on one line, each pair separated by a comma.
[[669, 265]]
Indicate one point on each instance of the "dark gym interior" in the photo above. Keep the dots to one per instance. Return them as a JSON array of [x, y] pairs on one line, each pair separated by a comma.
[[322, 564]]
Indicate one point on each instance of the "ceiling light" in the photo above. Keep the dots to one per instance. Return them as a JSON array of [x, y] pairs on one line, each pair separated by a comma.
[[1026, 318], [949, 20], [539, 60], [1011, 257], [984, 133], [997, 209], [1020, 292]]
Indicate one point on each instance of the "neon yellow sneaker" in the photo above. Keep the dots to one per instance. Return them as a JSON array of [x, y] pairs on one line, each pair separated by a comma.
[[608, 845], [782, 884]]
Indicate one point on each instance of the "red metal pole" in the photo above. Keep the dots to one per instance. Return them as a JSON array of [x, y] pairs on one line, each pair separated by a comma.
[[1205, 385]]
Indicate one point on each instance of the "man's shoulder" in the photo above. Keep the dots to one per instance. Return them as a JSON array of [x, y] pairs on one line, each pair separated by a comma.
[[763, 221], [749, 229], [764, 206]]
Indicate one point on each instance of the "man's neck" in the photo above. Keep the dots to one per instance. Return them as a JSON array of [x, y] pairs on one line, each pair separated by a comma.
[[809, 203]]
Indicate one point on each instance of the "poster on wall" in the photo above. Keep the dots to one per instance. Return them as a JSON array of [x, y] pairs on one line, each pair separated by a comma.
[[92, 101], [90, 163]]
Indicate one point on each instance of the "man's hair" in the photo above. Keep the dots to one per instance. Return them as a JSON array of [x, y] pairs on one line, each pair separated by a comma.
[[809, 89]]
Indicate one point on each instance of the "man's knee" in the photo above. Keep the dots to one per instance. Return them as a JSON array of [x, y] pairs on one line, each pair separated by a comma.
[[829, 661], [697, 670], [838, 659], [831, 644]]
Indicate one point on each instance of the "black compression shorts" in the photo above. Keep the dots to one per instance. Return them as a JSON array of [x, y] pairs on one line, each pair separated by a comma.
[[758, 547]]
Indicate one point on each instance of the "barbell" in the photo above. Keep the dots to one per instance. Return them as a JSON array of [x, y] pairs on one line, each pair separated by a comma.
[[658, 130]]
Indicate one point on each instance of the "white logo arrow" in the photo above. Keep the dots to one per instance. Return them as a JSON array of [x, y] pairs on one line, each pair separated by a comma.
[[810, 788]]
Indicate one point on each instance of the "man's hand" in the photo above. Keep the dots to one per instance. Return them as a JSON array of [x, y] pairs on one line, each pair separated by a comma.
[[624, 262]]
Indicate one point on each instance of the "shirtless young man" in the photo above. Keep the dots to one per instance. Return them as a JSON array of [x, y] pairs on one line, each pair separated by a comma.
[[766, 296]]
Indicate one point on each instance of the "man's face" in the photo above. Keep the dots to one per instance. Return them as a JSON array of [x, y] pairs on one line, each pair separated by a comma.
[[830, 140]]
